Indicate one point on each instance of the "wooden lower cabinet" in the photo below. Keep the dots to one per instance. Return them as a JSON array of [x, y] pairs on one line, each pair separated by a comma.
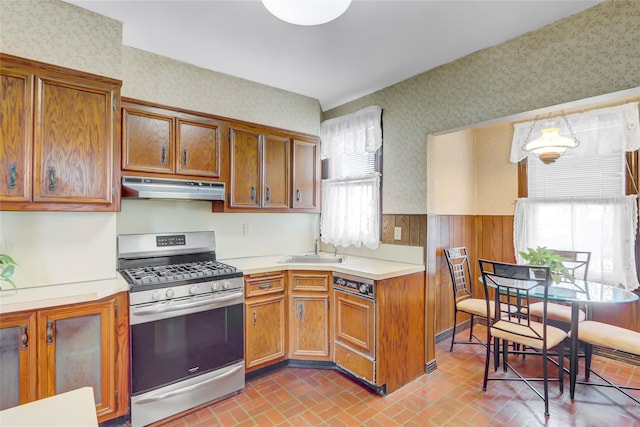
[[265, 321], [55, 350], [310, 322]]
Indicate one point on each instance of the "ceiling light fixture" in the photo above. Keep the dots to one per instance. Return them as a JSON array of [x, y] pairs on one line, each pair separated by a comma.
[[550, 145], [306, 12]]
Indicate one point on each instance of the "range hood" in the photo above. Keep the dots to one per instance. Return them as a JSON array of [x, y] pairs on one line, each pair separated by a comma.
[[159, 188]]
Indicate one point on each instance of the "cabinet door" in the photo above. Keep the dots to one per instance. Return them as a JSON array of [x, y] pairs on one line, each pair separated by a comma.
[[264, 337], [306, 175], [275, 191], [73, 142], [355, 322], [309, 323], [246, 169], [16, 112], [198, 148], [77, 347], [18, 359], [147, 141]]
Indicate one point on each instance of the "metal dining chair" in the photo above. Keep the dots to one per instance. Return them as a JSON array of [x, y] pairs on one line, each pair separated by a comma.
[[624, 341], [577, 262], [513, 286], [464, 302]]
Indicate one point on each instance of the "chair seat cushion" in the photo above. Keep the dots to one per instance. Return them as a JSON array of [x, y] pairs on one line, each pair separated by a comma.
[[523, 334], [610, 336], [475, 306], [559, 312]]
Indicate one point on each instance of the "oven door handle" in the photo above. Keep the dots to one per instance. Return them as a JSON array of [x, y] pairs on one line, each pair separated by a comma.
[[167, 308], [169, 394]]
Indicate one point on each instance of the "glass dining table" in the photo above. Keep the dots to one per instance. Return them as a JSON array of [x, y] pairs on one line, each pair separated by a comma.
[[582, 294]]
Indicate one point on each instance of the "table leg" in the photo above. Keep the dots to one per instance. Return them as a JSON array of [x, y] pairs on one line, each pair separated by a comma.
[[573, 354]]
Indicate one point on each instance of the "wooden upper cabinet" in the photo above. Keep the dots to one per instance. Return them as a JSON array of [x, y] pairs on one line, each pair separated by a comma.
[[73, 143], [246, 168], [275, 192], [59, 130], [146, 141], [306, 175], [161, 140], [198, 148], [16, 112]]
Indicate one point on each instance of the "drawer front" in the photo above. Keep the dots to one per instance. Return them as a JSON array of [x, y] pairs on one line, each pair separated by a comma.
[[309, 281], [264, 285], [357, 364]]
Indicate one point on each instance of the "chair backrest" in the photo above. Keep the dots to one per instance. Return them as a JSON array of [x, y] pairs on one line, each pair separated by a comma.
[[512, 286], [460, 270], [577, 262]]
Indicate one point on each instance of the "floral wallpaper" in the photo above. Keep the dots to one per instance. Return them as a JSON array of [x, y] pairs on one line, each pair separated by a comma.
[[591, 53]]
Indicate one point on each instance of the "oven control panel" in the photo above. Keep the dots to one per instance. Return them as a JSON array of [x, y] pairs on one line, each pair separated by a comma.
[[172, 240], [358, 285]]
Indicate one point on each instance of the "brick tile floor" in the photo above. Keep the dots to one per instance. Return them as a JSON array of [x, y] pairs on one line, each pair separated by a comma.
[[450, 396]]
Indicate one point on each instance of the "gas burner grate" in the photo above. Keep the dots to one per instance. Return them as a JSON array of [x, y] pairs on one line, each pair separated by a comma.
[[176, 272]]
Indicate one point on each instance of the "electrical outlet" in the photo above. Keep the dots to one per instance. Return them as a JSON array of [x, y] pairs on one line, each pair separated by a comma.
[[246, 229], [397, 233]]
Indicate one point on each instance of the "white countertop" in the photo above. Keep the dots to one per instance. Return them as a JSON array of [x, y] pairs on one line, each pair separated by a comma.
[[369, 268], [73, 408], [55, 295], [72, 293]]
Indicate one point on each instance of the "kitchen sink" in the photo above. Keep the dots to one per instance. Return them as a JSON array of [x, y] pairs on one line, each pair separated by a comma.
[[313, 259]]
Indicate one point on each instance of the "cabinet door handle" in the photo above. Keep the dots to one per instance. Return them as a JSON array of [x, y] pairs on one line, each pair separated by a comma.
[[50, 332], [52, 178], [253, 192], [185, 158], [24, 337], [268, 193], [12, 175], [163, 156], [266, 286], [300, 311], [255, 318], [297, 194]]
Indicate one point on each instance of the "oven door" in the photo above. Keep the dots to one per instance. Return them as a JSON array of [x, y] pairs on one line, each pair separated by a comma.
[[183, 338]]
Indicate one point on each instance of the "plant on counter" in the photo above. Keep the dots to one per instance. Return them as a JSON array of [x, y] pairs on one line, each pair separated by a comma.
[[7, 267], [548, 257]]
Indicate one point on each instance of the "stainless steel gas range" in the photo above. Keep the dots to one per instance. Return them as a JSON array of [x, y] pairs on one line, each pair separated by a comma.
[[186, 315]]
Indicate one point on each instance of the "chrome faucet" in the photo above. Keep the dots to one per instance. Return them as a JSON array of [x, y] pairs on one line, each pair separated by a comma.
[[335, 250]]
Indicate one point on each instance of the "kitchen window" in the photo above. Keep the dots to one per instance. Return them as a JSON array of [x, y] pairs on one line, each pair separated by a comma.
[[351, 151], [579, 202]]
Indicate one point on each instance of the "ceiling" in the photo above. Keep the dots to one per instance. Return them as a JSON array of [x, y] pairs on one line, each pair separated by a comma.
[[374, 44]]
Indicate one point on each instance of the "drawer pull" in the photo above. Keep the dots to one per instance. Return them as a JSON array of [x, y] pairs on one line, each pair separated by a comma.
[[12, 176], [255, 318], [266, 286], [300, 311], [253, 192], [50, 332], [24, 336], [185, 158], [52, 178], [297, 194], [268, 194], [163, 155]]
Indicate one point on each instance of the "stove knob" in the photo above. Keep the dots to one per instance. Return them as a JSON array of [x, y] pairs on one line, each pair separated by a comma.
[[215, 287], [170, 293], [226, 284], [364, 288], [155, 295], [193, 290]]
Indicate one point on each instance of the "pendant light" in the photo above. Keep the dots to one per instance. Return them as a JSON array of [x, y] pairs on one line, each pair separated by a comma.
[[306, 12], [550, 145]]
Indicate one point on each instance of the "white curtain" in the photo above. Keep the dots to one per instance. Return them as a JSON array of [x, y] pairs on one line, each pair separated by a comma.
[[351, 195], [604, 226], [599, 131], [355, 133], [350, 212]]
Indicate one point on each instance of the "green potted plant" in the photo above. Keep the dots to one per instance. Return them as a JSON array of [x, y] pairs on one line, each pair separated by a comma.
[[547, 257], [7, 267]]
